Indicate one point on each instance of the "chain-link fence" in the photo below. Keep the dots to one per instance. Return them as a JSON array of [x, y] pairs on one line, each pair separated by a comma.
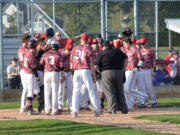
[[84, 16]]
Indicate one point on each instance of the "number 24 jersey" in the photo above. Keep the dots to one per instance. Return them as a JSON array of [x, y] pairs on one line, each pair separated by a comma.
[[81, 57]]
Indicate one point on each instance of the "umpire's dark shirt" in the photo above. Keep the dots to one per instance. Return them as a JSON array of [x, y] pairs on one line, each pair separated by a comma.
[[110, 59]]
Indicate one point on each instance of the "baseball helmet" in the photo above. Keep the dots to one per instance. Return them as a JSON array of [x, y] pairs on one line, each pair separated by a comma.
[[55, 44], [50, 32], [127, 32]]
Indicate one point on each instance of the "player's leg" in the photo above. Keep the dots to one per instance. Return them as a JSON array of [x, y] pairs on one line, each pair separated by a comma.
[[149, 82], [55, 87], [61, 94], [77, 84], [41, 93], [130, 78], [141, 85], [24, 92], [69, 87], [84, 97], [87, 79], [47, 92]]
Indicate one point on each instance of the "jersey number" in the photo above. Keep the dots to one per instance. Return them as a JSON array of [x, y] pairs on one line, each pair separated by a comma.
[[79, 54], [51, 60]]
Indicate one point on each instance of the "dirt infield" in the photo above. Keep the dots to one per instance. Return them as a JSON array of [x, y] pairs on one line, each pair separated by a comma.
[[122, 120]]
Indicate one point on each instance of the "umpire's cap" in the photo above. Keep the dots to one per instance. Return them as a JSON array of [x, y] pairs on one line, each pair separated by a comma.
[[50, 32], [55, 44], [32, 44]]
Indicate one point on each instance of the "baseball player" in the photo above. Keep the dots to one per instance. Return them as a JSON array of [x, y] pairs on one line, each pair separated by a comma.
[[52, 60], [66, 82], [131, 74], [81, 62], [148, 55], [30, 74], [40, 51], [21, 51]]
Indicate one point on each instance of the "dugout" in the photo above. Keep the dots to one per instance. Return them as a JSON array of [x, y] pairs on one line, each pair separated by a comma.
[[172, 24]]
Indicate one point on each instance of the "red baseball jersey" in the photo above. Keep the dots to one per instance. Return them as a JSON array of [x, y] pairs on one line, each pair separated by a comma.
[[63, 42], [149, 57], [133, 57], [81, 57], [66, 59], [52, 60], [21, 51], [29, 62]]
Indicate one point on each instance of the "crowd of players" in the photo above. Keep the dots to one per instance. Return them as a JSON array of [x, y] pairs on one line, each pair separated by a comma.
[[52, 68]]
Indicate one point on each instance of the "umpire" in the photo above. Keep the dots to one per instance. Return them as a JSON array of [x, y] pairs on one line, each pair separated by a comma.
[[112, 63]]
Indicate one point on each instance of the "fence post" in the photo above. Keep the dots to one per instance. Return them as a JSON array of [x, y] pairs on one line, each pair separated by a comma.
[[17, 18], [106, 19], [136, 18], [54, 15], [1, 48], [28, 17], [32, 22], [170, 39], [156, 24], [102, 20]]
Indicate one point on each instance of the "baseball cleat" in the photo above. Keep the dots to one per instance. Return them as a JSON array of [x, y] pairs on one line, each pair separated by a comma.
[[154, 105], [97, 114], [74, 115]]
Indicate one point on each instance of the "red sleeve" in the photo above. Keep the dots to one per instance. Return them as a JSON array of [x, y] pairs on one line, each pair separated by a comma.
[[63, 42]]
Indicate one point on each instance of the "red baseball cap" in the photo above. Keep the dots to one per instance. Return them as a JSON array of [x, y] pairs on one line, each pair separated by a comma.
[[90, 40], [94, 41], [133, 40], [84, 36], [118, 43], [69, 46], [37, 35], [43, 35], [70, 40], [143, 41], [138, 42]]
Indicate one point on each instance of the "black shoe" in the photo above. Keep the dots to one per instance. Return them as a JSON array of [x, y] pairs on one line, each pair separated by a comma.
[[154, 105], [60, 110], [124, 111]]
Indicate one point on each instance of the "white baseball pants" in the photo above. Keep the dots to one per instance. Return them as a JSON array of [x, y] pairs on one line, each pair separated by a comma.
[[68, 84], [83, 76], [84, 97], [51, 86], [147, 73], [30, 87]]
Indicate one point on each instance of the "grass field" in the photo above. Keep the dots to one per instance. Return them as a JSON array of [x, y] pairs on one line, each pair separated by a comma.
[[171, 118], [58, 127], [163, 102]]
